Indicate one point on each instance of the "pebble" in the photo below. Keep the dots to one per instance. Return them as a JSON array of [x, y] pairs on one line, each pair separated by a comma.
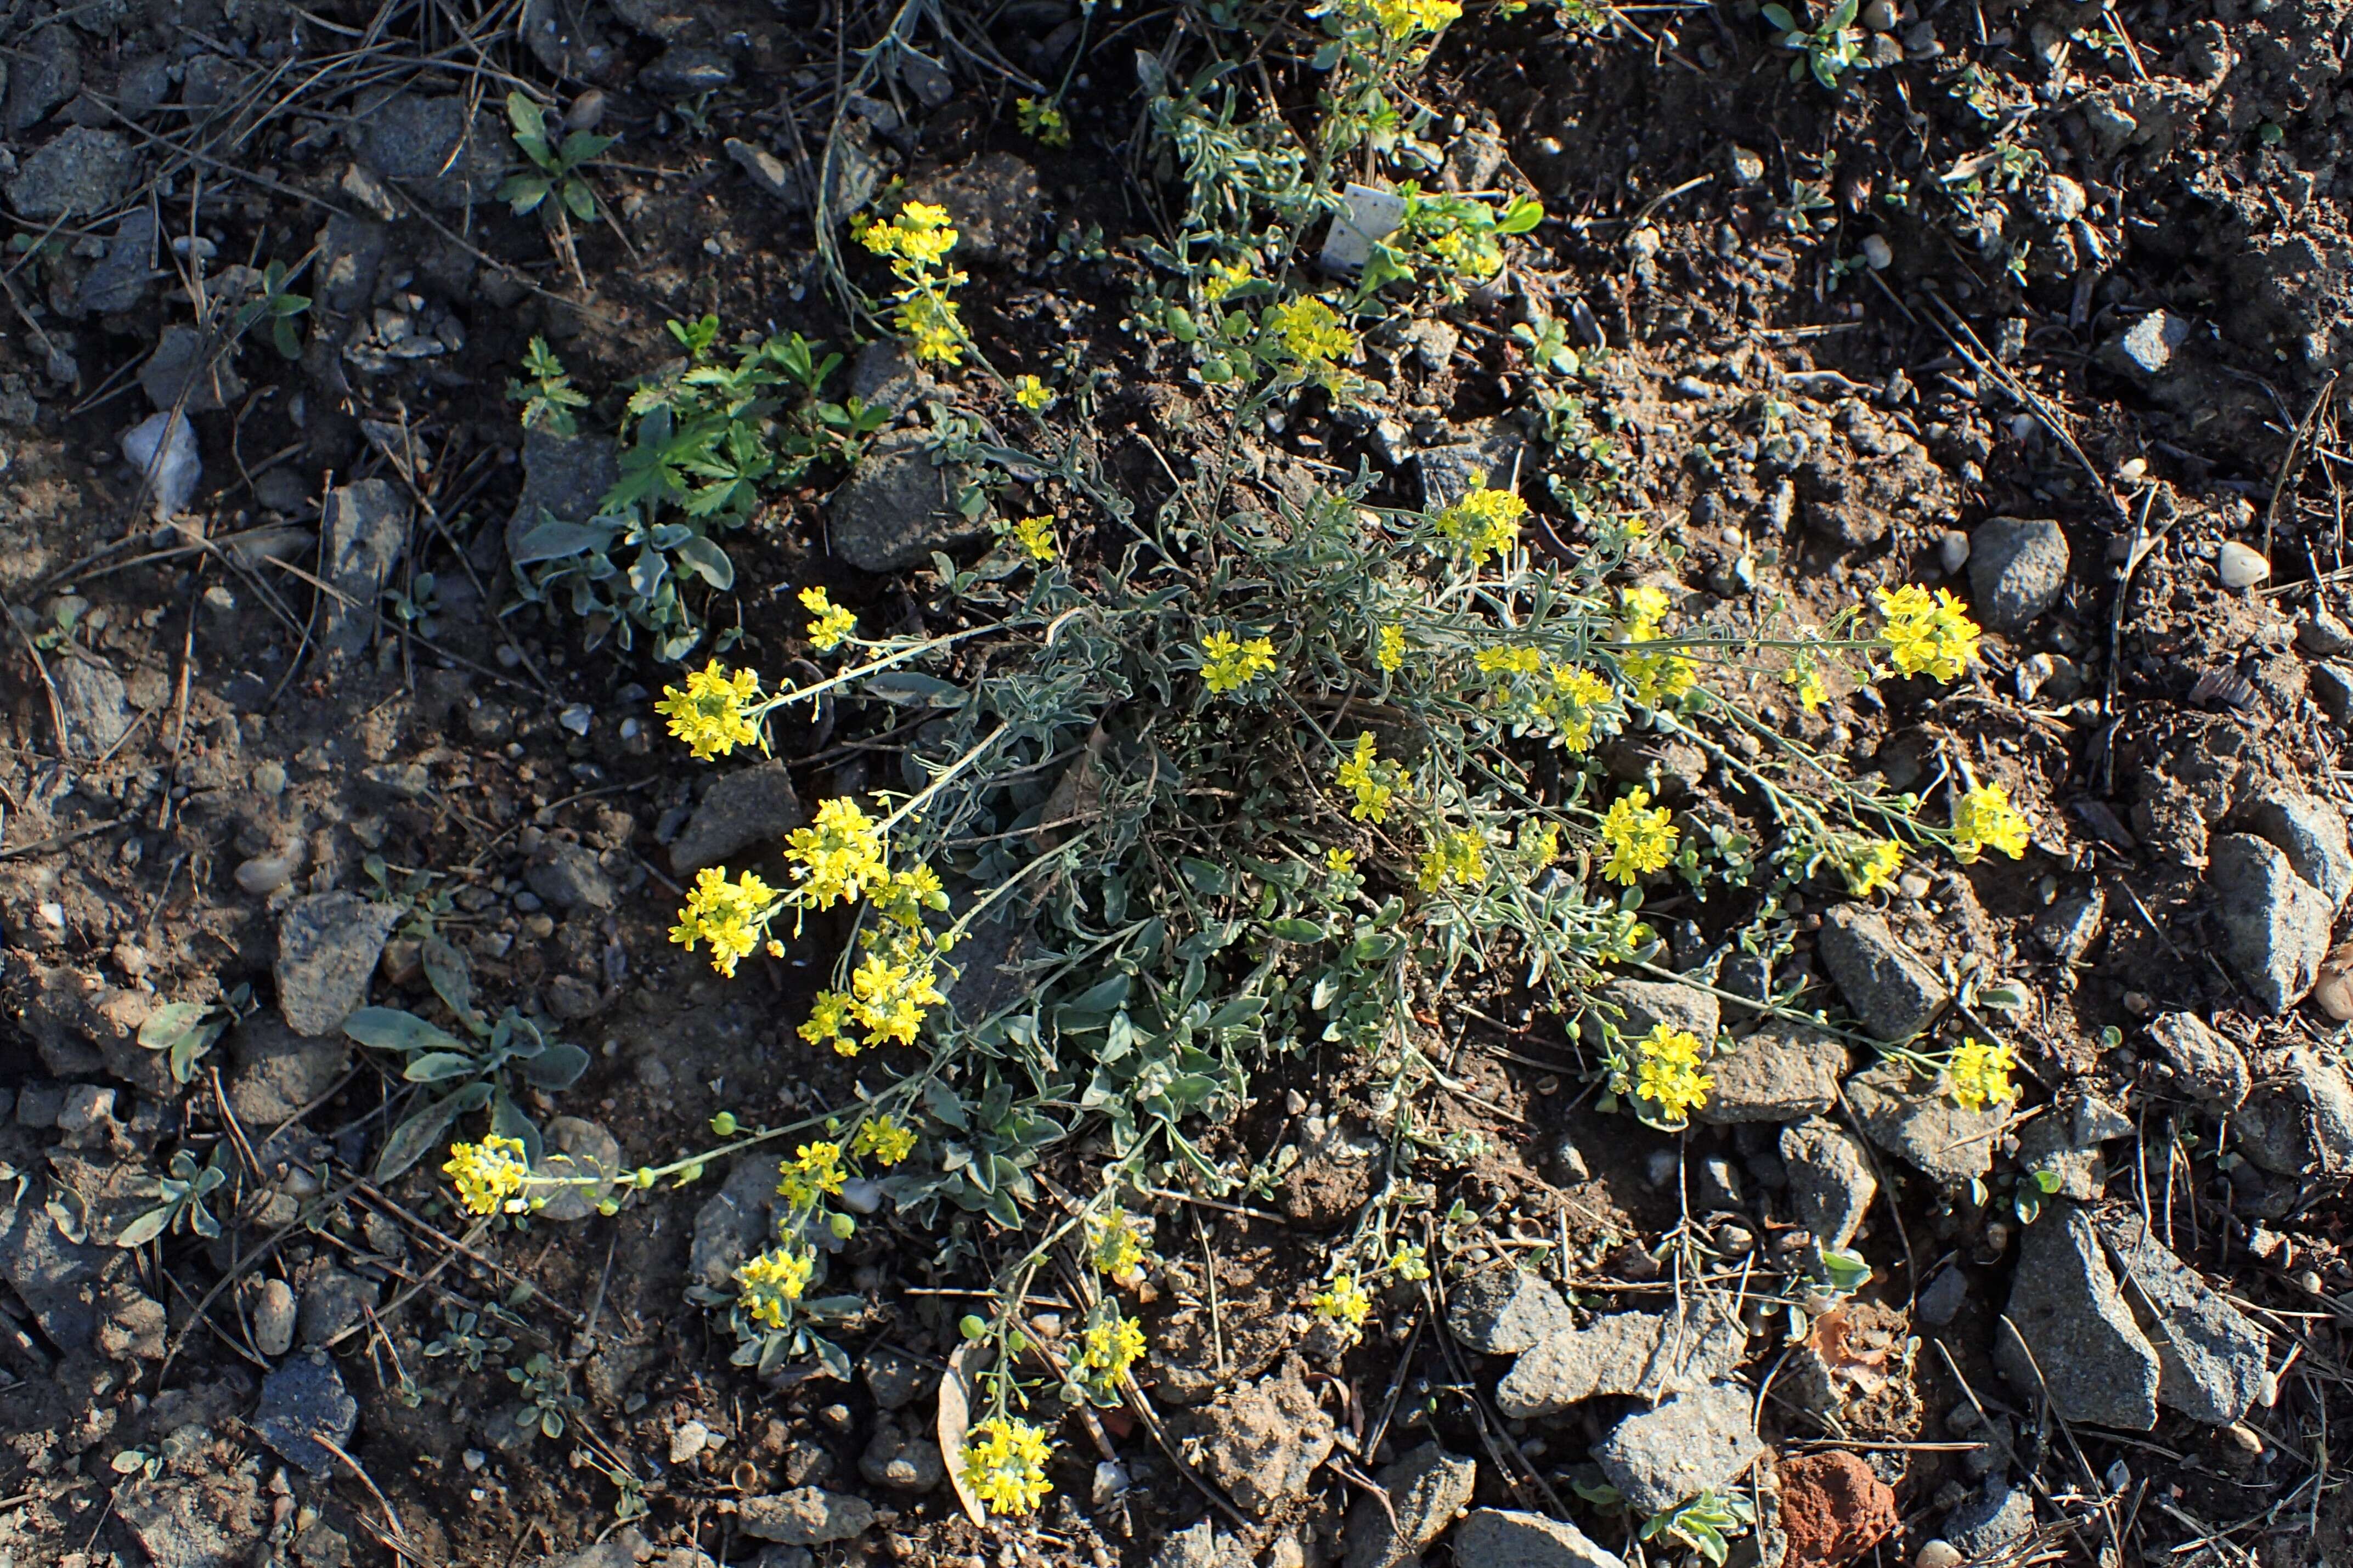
[[688, 1442], [1953, 551], [2241, 567], [1938, 1554], [273, 1319], [1877, 253]]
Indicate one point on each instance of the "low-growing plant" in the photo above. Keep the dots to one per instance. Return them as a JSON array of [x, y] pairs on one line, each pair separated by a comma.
[[553, 167], [185, 1031], [1827, 48], [185, 1190]]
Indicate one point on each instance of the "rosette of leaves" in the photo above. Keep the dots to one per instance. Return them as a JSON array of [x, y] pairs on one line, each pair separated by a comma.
[[554, 166], [480, 1064], [185, 1031]]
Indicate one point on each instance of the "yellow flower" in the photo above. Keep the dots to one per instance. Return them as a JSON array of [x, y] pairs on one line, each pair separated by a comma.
[[489, 1175], [1035, 535], [1516, 661], [1984, 817], [1390, 653], [1339, 863], [1667, 1073], [1807, 678], [1106, 1350], [770, 1281], [884, 1139], [1642, 838], [1342, 1302], [1576, 697], [1004, 1464], [1224, 277], [839, 858], [707, 713], [1642, 611], [1927, 635], [833, 623], [1456, 856], [1228, 665], [732, 917], [1116, 1248], [1401, 19], [1311, 333], [814, 1172], [1979, 1075], [1540, 843], [1871, 866], [919, 237], [828, 1023], [932, 327], [1484, 522], [1373, 781], [1042, 120], [1410, 1262], [908, 894], [1031, 393], [892, 996]]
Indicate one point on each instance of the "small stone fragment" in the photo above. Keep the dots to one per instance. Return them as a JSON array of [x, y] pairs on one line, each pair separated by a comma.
[[1893, 992], [1697, 1442], [1784, 1071], [1987, 1525], [303, 1400], [2276, 925], [1506, 1538], [2209, 1066], [2085, 1347], [2212, 1360], [898, 506], [1910, 1118], [1646, 1353], [750, 807], [327, 947], [806, 1516], [2018, 569], [2310, 831], [2241, 567], [1503, 1311], [1426, 1488], [1829, 1179], [1265, 1442], [1646, 1003], [273, 1318], [1834, 1510]]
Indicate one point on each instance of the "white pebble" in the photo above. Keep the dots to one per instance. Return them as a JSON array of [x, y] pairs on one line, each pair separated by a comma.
[[1938, 1554], [163, 447], [1877, 252], [265, 874], [1953, 550], [860, 1195], [688, 1442], [2241, 567]]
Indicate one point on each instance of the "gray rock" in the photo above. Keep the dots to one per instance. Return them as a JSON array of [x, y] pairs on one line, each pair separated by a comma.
[[1502, 1311], [2018, 569], [278, 1071], [2274, 924], [884, 376], [85, 1106], [59, 1279], [2146, 348], [995, 204], [187, 373], [898, 508], [1910, 1119], [47, 70], [328, 946], [1264, 1442], [903, 1463], [2332, 687], [2065, 1307], [1202, 1546], [2209, 1066], [896, 1379], [2211, 1361], [93, 700], [2050, 1145], [2310, 831], [1644, 1005], [806, 1516], [332, 1302], [1987, 1525], [769, 171], [577, 1148], [38, 1104], [733, 1223], [1782, 1072], [785, 1557], [569, 40], [1491, 453], [1893, 992], [569, 877], [1426, 1488], [2058, 199], [275, 1316], [1506, 1538], [683, 70], [751, 806], [350, 253], [451, 155], [1715, 1188], [78, 172], [364, 533], [1697, 1442], [302, 1401], [213, 1520], [2298, 1117], [1645, 1353], [1829, 1180], [122, 278], [1941, 1303], [565, 479], [2072, 924]]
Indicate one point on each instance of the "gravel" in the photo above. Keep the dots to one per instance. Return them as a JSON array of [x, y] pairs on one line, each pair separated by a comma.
[[1829, 1180], [2097, 1364], [2018, 569], [1697, 1442], [1784, 1071], [1893, 992], [1506, 1538], [2274, 924], [328, 946]]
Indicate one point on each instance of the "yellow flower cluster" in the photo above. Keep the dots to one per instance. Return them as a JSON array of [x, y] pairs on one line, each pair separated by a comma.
[[771, 1282], [832, 624], [1484, 522], [1035, 535], [915, 242], [1656, 676], [1390, 649], [1927, 635], [917, 239], [1982, 818], [839, 858], [1107, 1348], [1371, 780], [1565, 699], [1031, 393], [1116, 1248], [1042, 120], [1410, 1262], [1805, 677], [732, 917], [489, 1175], [1870, 864], [1509, 660], [1979, 1075], [1309, 332], [896, 982], [1343, 1302], [1339, 863], [885, 1139], [1402, 19], [931, 325], [1224, 277], [1642, 838], [814, 1172], [1667, 1073], [708, 712], [1004, 1464], [1228, 665], [1454, 855]]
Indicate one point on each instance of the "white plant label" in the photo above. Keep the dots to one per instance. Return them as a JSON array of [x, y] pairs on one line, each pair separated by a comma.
[[1372, 216]]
